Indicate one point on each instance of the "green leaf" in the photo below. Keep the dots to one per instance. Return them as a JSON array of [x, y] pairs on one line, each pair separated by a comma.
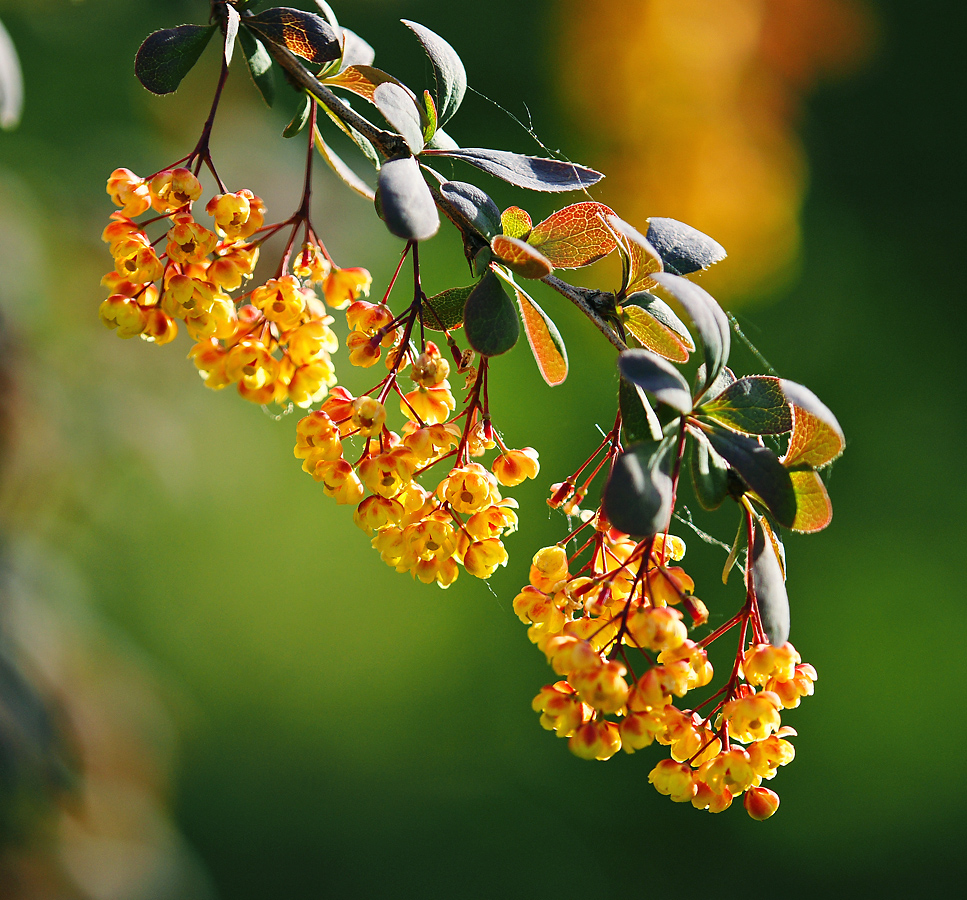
[[490, 318], [444, 311], [813, 509], [516, 223], [638, 419], [428, 117], [657, 377], [711, 323], [406, 202], [575, 236], [710, 474], [299, 120], [11, 83], [817, 438], [259, 64], [167, 56], [638, 496], [769, 585], [474, 208], [753, 405], [303, 33], [683, 249], [545, 340], [401, 110], [448, 70], [520, 257], [760, 469], [530, 172], [348, 176], [232, 20]]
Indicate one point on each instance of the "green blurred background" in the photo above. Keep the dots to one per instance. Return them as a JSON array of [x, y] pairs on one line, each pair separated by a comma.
[[270, 711]]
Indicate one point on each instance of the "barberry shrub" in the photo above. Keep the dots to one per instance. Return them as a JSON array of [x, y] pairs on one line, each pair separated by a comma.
[[615, 615]]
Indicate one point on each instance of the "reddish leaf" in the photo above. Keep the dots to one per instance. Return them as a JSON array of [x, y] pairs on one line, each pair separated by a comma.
[[817, 438], [575, 236], [639, 257], [520, 257], [516, 222], [545, 340], [813, 509]]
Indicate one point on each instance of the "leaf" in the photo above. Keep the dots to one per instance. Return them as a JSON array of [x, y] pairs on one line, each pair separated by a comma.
[[362, 80], [474, 207], [11, 83], [754, 405], [401, 111], [490, 318], [303, 33], [448, 71], [638, 419], [441, 141], [813, 509], [232, 19], [639, 259], [520, 257], [407, 205], [167, 56], [355, 50], [652, 334], [770, 589], [574, 236], [711, 323], [428, 117], [531, 172], [657, 377], [348, 176], [710, 474], [545, 340], [638, 496], [299, 120], [259, 64], [327, 12], [444, 311], [516, 223], [663, 313], [683, 249], [760, 470], [817, 438]]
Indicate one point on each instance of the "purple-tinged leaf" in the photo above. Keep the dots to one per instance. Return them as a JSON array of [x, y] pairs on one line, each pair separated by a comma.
[[531, 172], [760, 469], [683, 249], [710, 473], [711, 323], [167, 56], [402, 112], [769, 585], [407, 205], [656, 376], [638, 496], [638, 420], [448, 70], [474, 208], [490, 318], [355, 50]]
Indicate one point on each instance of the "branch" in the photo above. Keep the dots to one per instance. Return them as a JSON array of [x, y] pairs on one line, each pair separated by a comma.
[[579, 297]]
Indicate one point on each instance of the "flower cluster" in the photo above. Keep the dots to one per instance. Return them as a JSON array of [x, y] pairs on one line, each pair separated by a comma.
[[427, 532], [626, 598], [274, 341]]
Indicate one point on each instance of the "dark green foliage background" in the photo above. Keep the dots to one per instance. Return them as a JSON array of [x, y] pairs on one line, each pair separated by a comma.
[[352, 734]]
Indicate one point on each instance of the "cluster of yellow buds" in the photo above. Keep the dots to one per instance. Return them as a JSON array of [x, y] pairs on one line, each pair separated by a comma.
[[276, 347], [429, 533], [628, 598]]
